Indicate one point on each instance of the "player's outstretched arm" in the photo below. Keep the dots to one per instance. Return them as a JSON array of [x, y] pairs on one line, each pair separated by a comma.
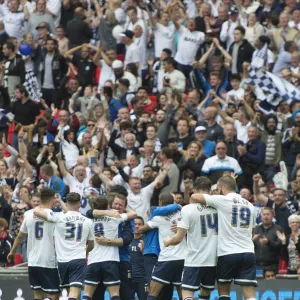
[[144, 228], [131, 214], [19, 239], [260, 198], [110, 213], [175, 239], [197, 198], [38, 212]]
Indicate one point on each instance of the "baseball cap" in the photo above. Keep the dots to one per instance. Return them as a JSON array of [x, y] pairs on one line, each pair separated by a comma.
[[43, 25], [127, 33], [233, 10], [200, 128], [117, 64]]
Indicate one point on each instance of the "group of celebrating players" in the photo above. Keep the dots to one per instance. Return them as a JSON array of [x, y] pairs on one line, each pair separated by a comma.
[[213, 240]]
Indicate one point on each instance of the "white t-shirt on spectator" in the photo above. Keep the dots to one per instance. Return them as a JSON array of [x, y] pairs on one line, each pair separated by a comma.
[[107, 73], [140, 202], [13, 23], [132, 55], [242, 131], [227, 36], [188, 45], [54, 7], [164, 38]]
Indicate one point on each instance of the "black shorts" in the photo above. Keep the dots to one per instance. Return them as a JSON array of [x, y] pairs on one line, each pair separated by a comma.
[[194, 278], [239, 267], [167, 272], [72, 273], [106, 272], [44, 279]]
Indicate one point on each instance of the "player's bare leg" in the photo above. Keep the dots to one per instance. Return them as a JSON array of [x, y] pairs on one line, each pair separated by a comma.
[[179, 292], [224, 291], [249, 292], [155, 289], [204, 294], [187, 295], [74, 292], [114, 292], [51, 297], [38, 295], [89, 291]]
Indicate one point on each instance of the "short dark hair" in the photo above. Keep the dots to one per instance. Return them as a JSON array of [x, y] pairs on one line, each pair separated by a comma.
[[10, 45], [47, 194], [171, 61], [167, 152], [241, 29], [125, 125], [264, 39], [22, 89], [167, 51], [107, 90], [268, 269], [139, 218], [288, 45], [131, 8], [202, 183], [235, 77], [166, 199], [229, 182], [148, 166], [143, 88], [124, 82], [52, 39], [100, 202], [73, 198], [135, 100], [119, 189]]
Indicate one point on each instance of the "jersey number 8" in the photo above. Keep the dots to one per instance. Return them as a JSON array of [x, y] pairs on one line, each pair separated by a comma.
[[72, 231], [242, 216]]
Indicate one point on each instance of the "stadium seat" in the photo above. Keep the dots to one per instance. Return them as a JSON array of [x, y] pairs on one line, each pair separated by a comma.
[[18, 260], [282, 267]]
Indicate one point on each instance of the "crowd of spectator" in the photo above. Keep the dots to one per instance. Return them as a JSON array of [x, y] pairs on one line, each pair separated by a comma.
[[113, 94]]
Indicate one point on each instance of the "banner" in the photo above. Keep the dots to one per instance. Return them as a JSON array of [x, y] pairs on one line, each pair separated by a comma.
[[19, 289]]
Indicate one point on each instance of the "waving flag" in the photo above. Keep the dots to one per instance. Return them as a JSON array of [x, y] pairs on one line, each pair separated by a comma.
[[278, 88]]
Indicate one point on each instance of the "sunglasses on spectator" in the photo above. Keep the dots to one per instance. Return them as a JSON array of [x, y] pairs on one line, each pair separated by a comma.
[[91, 125]]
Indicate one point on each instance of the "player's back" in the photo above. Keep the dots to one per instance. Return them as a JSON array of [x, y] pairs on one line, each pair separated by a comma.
[[164, 223], [72, 231], [201, 223], [40, 241], [236, 219], [107, 227]]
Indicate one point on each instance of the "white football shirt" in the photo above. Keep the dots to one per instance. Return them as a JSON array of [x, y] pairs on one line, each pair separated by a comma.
[[188, 45], [72, 231], [78, 187], [201, 223], [140, 203], [236, 219], [40, 241], [164, 223], [108, 227]]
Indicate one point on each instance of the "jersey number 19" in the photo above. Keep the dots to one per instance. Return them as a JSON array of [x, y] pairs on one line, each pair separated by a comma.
[[241, 217]]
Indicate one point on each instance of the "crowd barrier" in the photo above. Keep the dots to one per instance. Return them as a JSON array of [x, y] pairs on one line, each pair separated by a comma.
[[14, 286]]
